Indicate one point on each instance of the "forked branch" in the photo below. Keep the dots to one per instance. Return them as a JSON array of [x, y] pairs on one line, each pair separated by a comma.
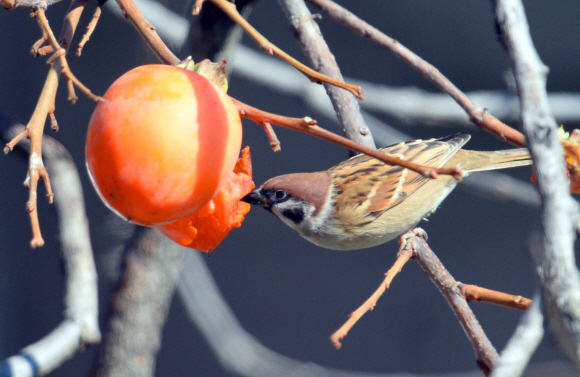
[[480, 117], [60, 53], [309, 126], [413, 245], [268, 47], [45, 109]]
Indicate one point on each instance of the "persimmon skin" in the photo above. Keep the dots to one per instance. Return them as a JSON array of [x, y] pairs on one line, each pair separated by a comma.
[[162, 143]]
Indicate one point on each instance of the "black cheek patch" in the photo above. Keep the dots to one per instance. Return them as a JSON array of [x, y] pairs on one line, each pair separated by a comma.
[[296, 215]]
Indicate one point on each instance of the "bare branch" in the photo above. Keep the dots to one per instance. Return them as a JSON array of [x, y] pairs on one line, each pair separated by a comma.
[[44, 107], [272, 138], [402, 258], [270, 48], [479, 294], [476, 114], [486, 354], [308, 126], [555, 262], [60, 53], [523, 343], [147, 31], [80, 326], [90, 29], [141, 304], [277, 76], [308, 34]]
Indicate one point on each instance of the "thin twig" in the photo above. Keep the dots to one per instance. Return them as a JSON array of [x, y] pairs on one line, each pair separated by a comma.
[[60, 53], [90, 29], [12, 143], [53, 122], [479, 294], [147, 31], [308, 126], [35, 126], [270, 48], [35, 50], [476, 114], [272, 138], [402, 257], [554, 259], [309, 36], [234, 348]]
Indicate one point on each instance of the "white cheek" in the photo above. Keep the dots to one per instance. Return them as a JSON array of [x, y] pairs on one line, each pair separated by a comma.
[[276, 210], [291, 205]]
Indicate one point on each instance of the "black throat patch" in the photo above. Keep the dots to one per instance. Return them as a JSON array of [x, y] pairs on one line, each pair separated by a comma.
[[296, 215]]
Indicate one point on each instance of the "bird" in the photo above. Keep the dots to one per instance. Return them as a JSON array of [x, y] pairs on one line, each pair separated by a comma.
[[363, 202]]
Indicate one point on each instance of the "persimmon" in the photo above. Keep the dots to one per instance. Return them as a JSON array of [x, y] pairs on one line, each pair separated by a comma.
[[162, 144], [206, 228]]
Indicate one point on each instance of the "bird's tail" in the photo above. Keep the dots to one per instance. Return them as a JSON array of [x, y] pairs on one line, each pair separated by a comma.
[[481, 161]]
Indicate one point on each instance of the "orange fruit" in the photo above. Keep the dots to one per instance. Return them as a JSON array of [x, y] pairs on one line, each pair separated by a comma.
[[206, 228], [162, 144]]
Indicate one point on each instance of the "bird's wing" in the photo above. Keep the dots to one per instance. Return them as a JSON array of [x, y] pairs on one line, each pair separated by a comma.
[[380, 186]]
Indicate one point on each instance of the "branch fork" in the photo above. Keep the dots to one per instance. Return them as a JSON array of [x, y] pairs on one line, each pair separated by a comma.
[[230, 9]]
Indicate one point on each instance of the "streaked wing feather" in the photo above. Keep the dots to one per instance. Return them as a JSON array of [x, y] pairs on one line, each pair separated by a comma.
[[388, 185]]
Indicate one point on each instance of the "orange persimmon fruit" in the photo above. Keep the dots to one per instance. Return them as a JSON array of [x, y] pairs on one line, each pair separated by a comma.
[[205, 229], [162, 144]]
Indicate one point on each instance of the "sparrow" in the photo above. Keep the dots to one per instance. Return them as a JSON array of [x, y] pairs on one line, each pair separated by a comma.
[[363, 202]]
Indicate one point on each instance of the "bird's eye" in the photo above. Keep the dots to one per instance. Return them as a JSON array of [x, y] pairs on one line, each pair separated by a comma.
[[280, 194]]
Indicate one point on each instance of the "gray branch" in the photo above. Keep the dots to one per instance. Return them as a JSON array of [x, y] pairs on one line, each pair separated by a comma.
[[555, 262], [80, 325], [523, 343], [485, 353], [315, 48], [140, 308]]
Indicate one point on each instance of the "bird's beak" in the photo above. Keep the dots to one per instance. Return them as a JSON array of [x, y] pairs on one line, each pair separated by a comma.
[[257, 198]]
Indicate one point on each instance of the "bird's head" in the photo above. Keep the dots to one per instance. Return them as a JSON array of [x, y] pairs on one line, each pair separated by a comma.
[[294, 198]]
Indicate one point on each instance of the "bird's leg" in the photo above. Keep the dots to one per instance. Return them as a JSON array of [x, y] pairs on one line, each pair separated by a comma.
[[412, 233]]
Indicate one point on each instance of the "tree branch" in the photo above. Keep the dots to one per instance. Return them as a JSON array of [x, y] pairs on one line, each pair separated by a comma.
[[485, 353], [270, 48], [476, 114], [523, 343], [147, 31], [308, 126], [474, 293], [140, 308], [555, 262], [402, 258], [80, 326], [35, 127], [310, 38]]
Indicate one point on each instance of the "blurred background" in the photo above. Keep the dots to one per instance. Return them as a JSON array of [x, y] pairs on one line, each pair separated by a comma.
[[288, 294]]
